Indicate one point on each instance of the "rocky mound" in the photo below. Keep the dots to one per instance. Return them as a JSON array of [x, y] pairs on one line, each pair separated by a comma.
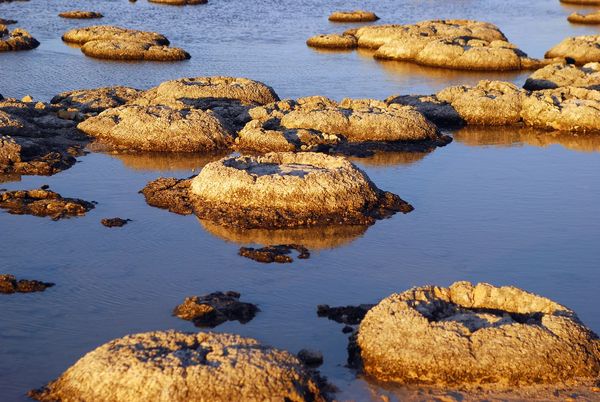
[[333, 41], [169, 193], [179, 2], [9, 284], [17, 39], [475, 335], [158, 128], [591, 18], [79, 14], [568, 109], [184, 366], [43, 202], [316, 123], [280, 190], [126, 50], [353, 16], [107, 32], [579, 49], [215, 308], [564, 75], [91, 101]]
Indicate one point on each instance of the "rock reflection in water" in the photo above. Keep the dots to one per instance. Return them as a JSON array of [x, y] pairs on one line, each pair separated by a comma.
[[166, 161], [516, 136], [313, 238], [390, 158]]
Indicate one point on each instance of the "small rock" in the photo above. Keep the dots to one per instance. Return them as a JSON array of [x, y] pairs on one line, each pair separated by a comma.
[[278, 253], [114, 222], [347, 329], [215, 308], [27, 98], [310, 357], [9, 284], [351, 315]]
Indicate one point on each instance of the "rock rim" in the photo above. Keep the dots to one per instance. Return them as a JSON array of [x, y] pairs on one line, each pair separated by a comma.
[[81, 36]]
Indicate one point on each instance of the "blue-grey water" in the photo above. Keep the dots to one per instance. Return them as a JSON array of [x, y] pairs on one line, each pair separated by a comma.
[[494, 206]]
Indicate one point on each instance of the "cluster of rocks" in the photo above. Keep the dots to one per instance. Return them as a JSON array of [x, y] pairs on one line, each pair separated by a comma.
[[116, 43], [17, 39], [215, 308], [456, 44], [10, 284], [44, 203], [278, 253]]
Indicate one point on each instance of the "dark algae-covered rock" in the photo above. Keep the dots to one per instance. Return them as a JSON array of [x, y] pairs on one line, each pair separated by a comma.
[[169, 193], [278, 253], [42, 202], [114, 222], [350, 315], [10, 284], [215, 308]]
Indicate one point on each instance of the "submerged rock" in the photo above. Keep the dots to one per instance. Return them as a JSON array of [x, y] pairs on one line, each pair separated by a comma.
[[310, 357], [17, 39], [353, 16], [318, 123], [79, 14], [332, 41], [591, 18], [7, 21], [199, 366], [578, 49], [280, 190], [179, 2], [474, 335], [43, 202], [158, 128], [215, 308], [114, 222], [349, 315], [169, 193], [9, 284], [126, 50], [107, 32], [96, 100], [564, 75], [279, 253]]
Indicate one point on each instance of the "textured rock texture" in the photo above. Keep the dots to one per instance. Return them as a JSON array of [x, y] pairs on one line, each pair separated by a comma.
[[95, 100], [80, 14], [17, 39], [333, 41], [578, 49], [215, 308], [126, 50], [43, 202], [353, 16], [564, 75]]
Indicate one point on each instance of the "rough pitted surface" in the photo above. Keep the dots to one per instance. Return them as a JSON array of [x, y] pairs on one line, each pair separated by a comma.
[[332, 41], [568, 109], [179, 2], [278, 253], [80, 14], [591, 18], [17, 39], [43, 202], [353, 16], [96, 100], [564, 75], [314, 123], [487, 103], [579, 49], [288, 189], [169, 193], [9, 284], [107, 32], [131, 50], [114, 222], [475, 335], [158, 128], [215, 308], [181, 367]]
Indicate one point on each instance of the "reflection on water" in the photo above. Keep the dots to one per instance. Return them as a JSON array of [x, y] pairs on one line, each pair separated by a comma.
[[390, 158], [166, 161], [514, 136], [314, 238]]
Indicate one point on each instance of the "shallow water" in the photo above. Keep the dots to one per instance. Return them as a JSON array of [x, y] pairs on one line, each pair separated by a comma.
[[502, 206]]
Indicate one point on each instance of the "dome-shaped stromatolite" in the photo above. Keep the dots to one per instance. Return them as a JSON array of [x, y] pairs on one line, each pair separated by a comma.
[[128, 50], [477, 335], [591, 18], [178, 367], [564, 75], [79, 14], [179, 2], [332, 41], [567, 108], [288, 189], [17, 39], [311, 122], [353, 16], [580, 49], [108, 32], [96, 100], [158, 128]]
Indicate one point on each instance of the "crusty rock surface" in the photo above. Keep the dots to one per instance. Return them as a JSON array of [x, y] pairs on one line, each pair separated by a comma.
[[158, 128], [288, 189], [131, 50], [179, 2], [353, 16], [474, 336], [563, 75], [567, 109], [107, 32], [333, 41], [316, 123], [590, 18], [9, 284], [181, 367], [169, 193], [80, 14], [274, 253], [439, 112], [95, 100], [43, 202], [579, 49], [17, 39], [215, 308]]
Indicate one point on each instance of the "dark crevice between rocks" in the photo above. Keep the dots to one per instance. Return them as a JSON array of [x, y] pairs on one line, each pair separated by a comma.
[[278, 253]]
